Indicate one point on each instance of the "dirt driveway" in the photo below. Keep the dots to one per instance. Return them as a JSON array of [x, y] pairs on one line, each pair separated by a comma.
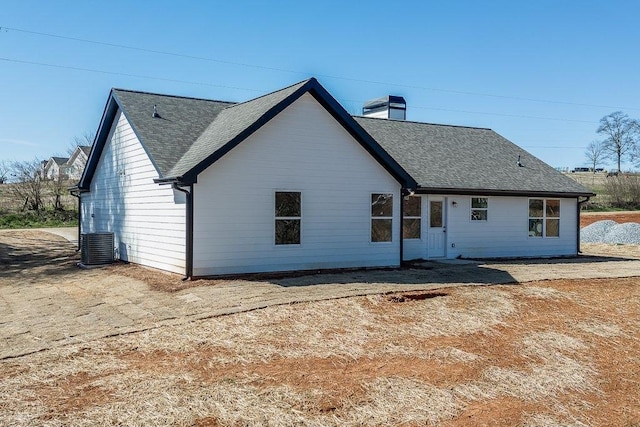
[[47, 302]]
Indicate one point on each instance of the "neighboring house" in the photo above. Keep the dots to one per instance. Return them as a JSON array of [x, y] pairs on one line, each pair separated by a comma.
[[77, 161], [291, 181], [55, 168]]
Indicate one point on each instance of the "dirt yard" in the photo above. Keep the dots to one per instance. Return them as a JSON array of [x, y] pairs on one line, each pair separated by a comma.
[[587, 218], [540, 353]]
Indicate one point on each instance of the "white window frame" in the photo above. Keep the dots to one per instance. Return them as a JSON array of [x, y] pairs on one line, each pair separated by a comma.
[[286, 218], [405, 217], [373, 218], [544, 218], [471, 209]]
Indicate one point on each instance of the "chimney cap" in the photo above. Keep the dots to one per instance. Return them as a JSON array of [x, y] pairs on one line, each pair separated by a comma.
[[389, 100]]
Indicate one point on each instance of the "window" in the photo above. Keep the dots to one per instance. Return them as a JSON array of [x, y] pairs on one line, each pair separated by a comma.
[[435, 213], [412, 209], [288, 217], [479, 208], [544, 218], [381, 217]]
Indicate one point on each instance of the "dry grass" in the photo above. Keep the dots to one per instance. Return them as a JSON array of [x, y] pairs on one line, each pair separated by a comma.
[[537, 354]]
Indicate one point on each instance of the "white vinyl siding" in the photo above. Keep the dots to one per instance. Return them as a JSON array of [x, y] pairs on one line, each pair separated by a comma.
[[505, 233], [305, 149], [148, 220]]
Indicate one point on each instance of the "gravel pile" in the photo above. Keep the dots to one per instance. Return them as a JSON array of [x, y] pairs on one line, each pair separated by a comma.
[[608, 231]]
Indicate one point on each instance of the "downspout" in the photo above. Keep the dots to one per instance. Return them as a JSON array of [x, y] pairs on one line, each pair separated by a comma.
[[578, 221], [402, 196], [77, 194], [188, 268]]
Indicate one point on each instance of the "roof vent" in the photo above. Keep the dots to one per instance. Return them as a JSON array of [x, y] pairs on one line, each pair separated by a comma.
[[387, 107], [155, 111]]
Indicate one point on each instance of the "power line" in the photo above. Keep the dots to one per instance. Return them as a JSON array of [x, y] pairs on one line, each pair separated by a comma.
[[262, 67], [117, 73]]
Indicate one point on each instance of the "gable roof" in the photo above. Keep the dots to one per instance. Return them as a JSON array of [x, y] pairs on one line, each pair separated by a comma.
[[465, 160], [187, 135], [191, 134], [85, 149], [164, 138], [60, 161]]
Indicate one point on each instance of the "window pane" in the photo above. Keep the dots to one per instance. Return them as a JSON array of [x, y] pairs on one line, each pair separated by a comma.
[[412, 206], [435, 214], [411, 228], [535, 208], [381, 230], [553, 228], [479, 202], [535, 228], [287, 204], [478, 215], [553, 208], [287, 231], [382, 205]]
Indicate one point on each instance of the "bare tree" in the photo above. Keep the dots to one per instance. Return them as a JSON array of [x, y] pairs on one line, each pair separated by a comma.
[[28, 187], [595, 154], [85, 139], [621, 136], [4, 171]]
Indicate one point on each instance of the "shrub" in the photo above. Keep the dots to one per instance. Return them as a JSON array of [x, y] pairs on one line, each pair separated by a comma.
[[623, 191], [33, 219]]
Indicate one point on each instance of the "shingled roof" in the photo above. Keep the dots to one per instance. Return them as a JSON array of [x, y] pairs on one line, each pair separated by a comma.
[[189, 134], [465, 160], [179, 122]]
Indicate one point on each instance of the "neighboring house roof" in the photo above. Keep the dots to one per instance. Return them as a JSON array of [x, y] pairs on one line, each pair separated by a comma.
[[60, 161], [458, 159], [85, 149], [190, 134]]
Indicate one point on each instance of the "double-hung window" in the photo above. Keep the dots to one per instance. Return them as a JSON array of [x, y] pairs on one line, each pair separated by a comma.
[[288, 217], [479, 209], [412, 217], [544, 217], [381, 217]]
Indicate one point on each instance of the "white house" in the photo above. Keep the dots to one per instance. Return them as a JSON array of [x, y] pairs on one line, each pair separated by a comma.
[[291, 181], [55, 168], [77, 161]]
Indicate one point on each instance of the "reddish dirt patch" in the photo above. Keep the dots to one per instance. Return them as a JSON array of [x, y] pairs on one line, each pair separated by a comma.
[[587, 218], [342, 379], [73, 393]]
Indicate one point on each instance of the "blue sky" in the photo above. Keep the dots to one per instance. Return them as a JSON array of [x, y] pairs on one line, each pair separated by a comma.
[[541, 73]]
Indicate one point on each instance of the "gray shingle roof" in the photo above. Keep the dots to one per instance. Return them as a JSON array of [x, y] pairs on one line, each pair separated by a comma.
[[192, 133], [168, 137], [60, 161], [456, 158], [227, 125]]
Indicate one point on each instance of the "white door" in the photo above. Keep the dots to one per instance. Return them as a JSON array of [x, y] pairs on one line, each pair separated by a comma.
[[436, 231]]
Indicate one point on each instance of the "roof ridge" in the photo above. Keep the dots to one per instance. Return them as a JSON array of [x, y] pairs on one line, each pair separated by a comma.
[[172, 96], [301, 82], [420, 123]]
